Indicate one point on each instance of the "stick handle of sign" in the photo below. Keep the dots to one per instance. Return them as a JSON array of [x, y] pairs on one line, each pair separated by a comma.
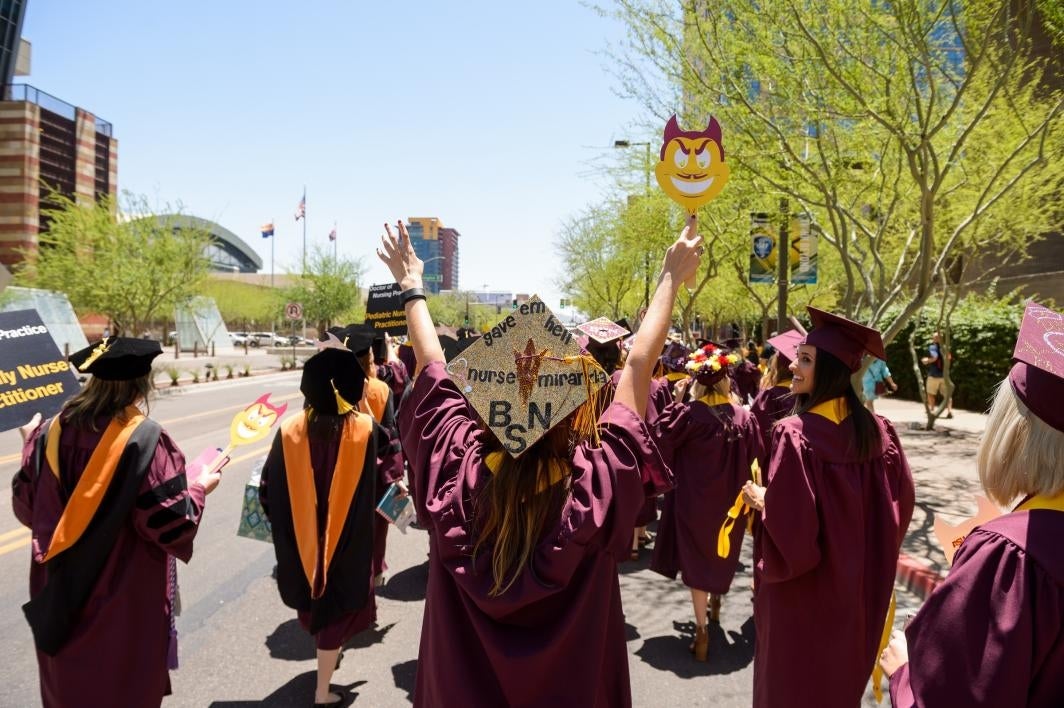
[[797, 325], [222, 459], [693, 280]]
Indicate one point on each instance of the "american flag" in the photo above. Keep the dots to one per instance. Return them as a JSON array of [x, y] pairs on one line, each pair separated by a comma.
[[301, 210], [332, 234], [267, 229]]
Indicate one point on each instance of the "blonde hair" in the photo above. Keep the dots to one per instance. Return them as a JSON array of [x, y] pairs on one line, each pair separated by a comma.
[[1020, 454], [723, 387]]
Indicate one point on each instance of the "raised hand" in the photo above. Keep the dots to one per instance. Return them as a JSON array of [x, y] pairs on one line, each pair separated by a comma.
[[682, 258], [400, 258]]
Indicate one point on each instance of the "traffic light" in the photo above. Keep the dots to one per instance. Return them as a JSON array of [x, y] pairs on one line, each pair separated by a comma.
[[514, 305]]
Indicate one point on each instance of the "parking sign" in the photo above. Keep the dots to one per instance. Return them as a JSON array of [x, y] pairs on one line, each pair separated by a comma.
[[293, 311]]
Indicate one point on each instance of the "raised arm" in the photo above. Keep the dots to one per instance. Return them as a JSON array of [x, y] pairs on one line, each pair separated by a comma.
[[407, 268], [681, 262]]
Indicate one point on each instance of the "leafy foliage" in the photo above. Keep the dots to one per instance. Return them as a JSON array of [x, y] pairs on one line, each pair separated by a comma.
[[983, 331], [328, 290], [132, 267], [920, 136]]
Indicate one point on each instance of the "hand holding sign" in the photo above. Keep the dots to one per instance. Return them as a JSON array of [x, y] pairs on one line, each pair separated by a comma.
[[691, 170]]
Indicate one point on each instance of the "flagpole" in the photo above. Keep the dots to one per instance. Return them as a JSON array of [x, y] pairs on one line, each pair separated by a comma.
[[273, 237], [304, 229]]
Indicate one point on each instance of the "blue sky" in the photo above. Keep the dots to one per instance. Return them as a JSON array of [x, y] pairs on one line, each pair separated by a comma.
[[490, 115]]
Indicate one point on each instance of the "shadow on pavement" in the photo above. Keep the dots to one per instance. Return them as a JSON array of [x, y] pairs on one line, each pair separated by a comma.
[[728, 651], [407, 585], [368, 637], [297, 693], [291, 642], [404, 675]]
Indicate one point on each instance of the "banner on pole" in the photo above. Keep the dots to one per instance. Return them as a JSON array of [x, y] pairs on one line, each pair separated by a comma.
[[802, 257], [384, 311]]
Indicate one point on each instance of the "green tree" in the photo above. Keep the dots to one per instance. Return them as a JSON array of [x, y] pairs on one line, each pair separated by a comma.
[[328, 290], [118, 259], [601, 269], [917, 134]]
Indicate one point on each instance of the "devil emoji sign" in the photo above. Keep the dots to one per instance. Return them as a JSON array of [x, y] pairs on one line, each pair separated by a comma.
[[691, 169]]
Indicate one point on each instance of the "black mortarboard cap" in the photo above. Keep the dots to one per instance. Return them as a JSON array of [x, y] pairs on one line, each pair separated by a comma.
[[117, 358]]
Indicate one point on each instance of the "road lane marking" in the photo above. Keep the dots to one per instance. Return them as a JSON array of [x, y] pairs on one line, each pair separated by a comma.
[[11, 534], [14, 546], [18, 455]]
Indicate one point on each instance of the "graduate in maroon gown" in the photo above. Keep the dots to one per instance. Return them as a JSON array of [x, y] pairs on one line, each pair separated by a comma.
[[528, 512], [104, 491], [745, 375], [774, 400], [710, 444], [318, 488], [603, 340], [990, 634], [838, 502]]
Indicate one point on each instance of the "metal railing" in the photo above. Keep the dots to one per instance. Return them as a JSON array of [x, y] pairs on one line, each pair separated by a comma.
[[32, 94]]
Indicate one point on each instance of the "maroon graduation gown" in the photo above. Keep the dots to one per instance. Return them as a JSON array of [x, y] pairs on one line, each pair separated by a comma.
[[659, 397], [117, 654], [556, 637], [745, 379], [828, 547], [770, 405], [992, 634], [711, 464]]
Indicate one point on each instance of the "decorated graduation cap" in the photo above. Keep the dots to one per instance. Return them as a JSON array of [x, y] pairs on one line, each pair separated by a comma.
[[786, 344], [527, 374], [710, 363], [603, 331], [1037, 376], [845, 339], [117, 358], [332, 381]]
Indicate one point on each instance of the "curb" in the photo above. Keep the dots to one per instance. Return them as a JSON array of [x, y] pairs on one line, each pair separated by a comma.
[[916, 577]]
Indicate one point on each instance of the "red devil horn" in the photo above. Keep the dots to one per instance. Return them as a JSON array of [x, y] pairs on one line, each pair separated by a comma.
[[672, 131], [714, 132]]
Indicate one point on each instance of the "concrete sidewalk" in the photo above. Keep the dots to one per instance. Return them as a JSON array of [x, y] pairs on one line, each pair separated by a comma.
[[944, 472]]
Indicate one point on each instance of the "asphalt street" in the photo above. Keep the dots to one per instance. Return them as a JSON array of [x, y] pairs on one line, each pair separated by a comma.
[[240, 647]]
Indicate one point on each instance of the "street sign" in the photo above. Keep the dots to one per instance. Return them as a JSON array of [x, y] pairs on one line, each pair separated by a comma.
[[293, 311]]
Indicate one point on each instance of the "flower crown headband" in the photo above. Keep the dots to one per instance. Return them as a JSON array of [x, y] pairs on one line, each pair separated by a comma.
[[709, 359]]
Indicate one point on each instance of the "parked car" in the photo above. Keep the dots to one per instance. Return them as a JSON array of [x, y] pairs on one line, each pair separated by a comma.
[[267, 339], [294, 340], [238, 339]]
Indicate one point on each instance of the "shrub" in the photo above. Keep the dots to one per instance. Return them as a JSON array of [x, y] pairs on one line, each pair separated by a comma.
[[174, 373], [982, 336]]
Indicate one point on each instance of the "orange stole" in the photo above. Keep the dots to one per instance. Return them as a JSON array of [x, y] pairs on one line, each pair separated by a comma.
[[354, 439], [94, 482], [374, 398]]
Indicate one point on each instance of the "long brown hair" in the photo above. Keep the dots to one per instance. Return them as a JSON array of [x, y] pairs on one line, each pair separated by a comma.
[[519, 501], [833, 379], [106, 398]]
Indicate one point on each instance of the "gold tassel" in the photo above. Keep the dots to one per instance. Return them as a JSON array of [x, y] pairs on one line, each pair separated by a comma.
[[585, 423], [342, 406], [99, 351]]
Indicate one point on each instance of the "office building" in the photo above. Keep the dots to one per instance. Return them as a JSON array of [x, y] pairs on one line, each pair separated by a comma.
[[45, 144], [437, 246]]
